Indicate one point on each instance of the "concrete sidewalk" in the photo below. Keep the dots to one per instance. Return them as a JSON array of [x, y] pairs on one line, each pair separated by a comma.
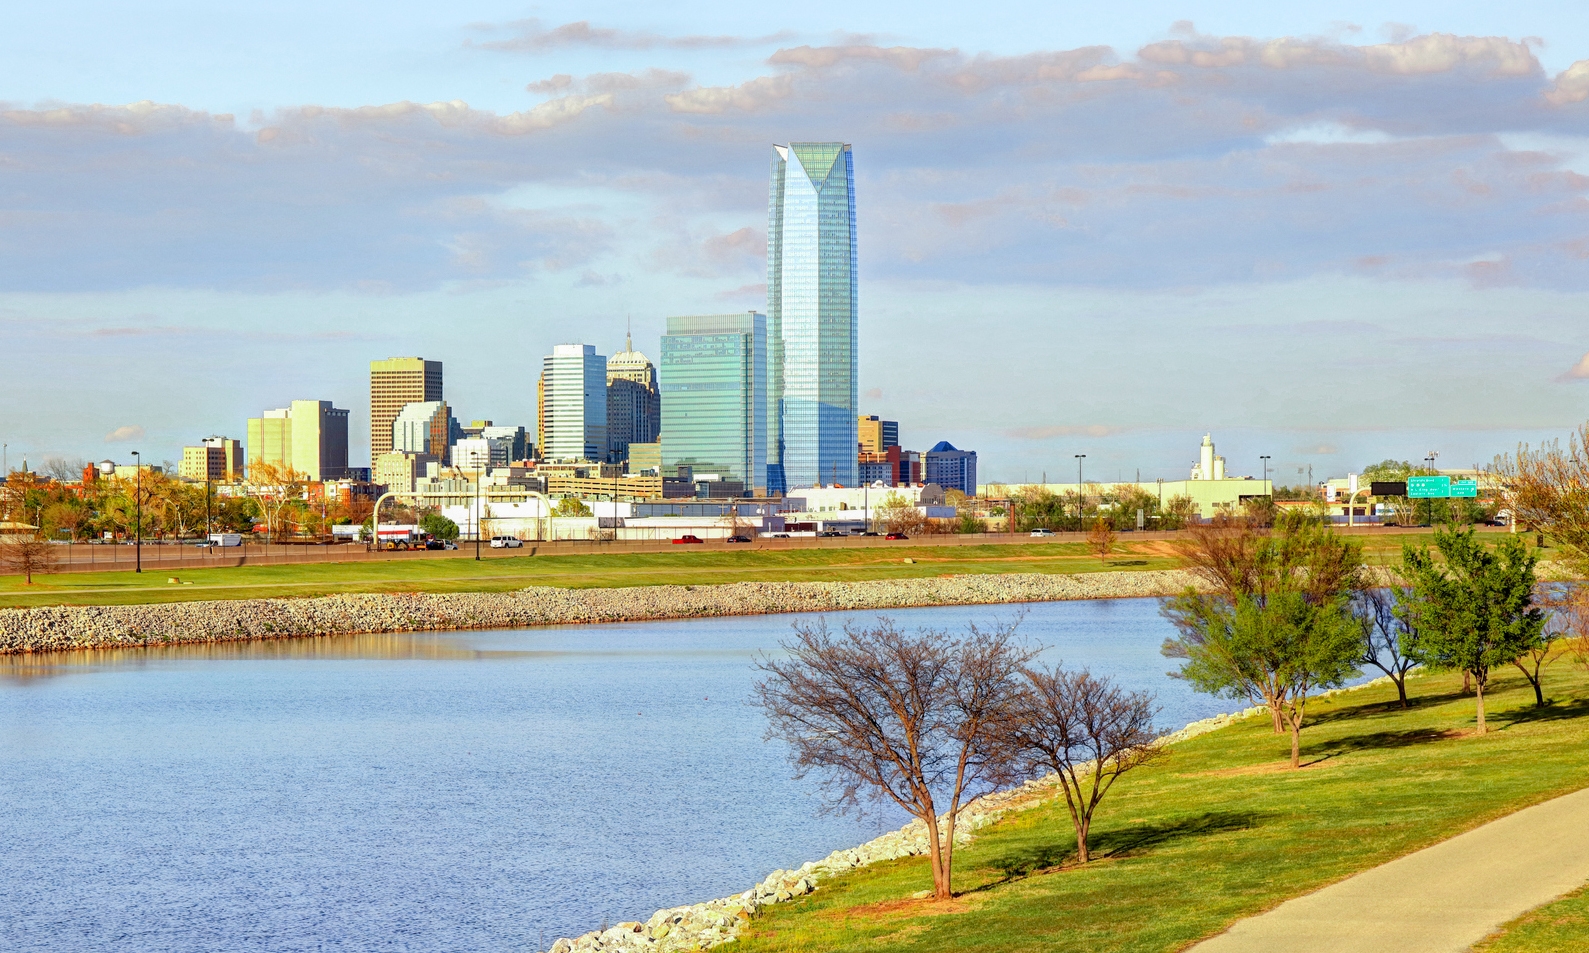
[[1442, 899]]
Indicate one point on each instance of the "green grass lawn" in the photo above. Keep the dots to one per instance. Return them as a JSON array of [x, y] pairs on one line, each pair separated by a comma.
[[1563, 925], [692, 566], [688, 567], [1221, 830]]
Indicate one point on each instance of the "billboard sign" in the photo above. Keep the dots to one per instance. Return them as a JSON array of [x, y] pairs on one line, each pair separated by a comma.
[[1428, 487], [1388, 488]]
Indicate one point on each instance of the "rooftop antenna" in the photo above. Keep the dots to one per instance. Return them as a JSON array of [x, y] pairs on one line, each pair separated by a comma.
[[628, 332]]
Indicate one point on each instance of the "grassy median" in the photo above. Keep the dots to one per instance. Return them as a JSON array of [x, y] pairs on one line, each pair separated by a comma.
[[1221, 830]]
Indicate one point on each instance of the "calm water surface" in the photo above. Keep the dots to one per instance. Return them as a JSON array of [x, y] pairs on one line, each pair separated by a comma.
[[456, 791]]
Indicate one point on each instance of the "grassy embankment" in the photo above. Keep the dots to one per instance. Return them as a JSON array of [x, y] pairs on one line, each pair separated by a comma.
[[1221, 831], [1563, 925], [691, 566]]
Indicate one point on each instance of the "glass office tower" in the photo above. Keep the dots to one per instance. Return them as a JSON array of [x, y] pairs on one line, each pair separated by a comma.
[[811, 316], [714, 397]]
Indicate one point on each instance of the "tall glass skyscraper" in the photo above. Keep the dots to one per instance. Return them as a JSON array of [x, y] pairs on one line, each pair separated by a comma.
[[714, 397], [811, 316]]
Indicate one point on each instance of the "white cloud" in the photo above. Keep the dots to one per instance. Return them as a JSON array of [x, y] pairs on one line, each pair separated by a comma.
[[1579, 371], [125, 433], [1571, 86]]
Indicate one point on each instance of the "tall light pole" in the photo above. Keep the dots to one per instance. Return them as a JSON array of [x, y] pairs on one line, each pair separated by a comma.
[[1265, 459], [477, 520], [137, 497], [1081, 494]]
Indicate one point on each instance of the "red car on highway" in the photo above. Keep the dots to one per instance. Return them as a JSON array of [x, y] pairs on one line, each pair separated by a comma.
[[687, 538]]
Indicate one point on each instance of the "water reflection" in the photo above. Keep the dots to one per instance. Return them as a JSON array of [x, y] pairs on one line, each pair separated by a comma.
[[417, 646]]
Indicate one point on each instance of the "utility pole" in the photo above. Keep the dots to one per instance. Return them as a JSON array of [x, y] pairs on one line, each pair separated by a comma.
[[477, 520], [137, 545], [1081, 495], [1265, 459]]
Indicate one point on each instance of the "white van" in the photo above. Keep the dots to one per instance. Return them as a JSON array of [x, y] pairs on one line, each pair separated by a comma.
[[226, 539], [506, 542]]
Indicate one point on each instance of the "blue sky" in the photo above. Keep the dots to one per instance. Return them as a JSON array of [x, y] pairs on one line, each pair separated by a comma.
[[1329, 233]]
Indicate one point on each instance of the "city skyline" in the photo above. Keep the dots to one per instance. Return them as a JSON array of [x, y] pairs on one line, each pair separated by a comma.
[[1364, 246]]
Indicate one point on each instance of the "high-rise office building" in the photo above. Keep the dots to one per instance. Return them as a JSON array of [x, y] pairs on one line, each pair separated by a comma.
[[425, 427], [395, 383], [574, 404], [634, 405], [812, 316], [714, 403], [875, 435], [310, 437], [540, 413], [515, 439], [215, 458], [951, 468]]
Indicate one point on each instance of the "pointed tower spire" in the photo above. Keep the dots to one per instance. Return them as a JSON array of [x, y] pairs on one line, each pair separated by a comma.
[[628, 332]]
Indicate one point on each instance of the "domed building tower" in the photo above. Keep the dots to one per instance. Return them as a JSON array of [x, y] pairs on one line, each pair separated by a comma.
[[634, 402]]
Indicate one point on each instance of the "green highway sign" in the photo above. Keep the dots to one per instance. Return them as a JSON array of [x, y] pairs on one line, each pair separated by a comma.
[[1440, 488], [1428, 487]]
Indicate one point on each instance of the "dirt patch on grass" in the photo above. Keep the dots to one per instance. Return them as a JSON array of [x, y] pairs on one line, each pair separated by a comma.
[[1269, 767], [901, 910], [1154, 548]]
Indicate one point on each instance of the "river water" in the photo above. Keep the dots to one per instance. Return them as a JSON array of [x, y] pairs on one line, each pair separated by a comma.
[[450, 791]]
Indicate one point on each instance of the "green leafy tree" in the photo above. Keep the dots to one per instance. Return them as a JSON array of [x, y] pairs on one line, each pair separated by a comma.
[[1125, 500], [439, 526], [1473, 611], [572, 506], [1280, 649], [1037, 508], [1277, 625], [1179, 512]]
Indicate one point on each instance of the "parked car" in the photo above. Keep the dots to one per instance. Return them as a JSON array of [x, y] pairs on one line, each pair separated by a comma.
[[1042, 532], [737, 539], [687, 538], [506, 542], [896, 536]]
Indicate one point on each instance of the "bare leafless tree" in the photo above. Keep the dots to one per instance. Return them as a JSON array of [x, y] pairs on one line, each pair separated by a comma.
[[1548, 492], [63, 470], [1384, 632], [1570, 618], [911, 718], [1087, 731], [26, 555]]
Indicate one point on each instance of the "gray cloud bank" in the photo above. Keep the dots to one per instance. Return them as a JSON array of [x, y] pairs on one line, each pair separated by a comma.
[[1198, 160]]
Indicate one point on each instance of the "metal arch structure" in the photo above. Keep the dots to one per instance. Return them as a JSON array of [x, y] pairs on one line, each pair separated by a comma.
[[375, 516]]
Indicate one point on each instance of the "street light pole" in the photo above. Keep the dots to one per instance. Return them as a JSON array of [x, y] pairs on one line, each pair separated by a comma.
[[1265, 459], [477, 510], [1081, 495], [137, 545]]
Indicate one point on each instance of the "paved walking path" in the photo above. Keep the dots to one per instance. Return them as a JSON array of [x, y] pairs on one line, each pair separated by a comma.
[[1442, 899]]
